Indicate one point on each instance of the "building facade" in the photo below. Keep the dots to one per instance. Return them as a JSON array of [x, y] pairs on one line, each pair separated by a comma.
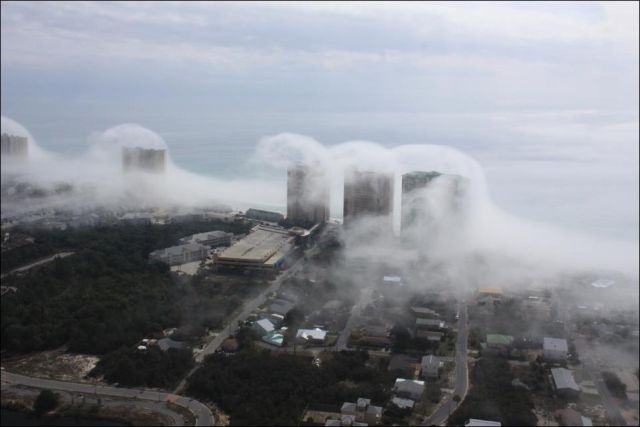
[[367, 193], [14, 146], [413, 202], [308, 195], [180, 254], [143, 159]]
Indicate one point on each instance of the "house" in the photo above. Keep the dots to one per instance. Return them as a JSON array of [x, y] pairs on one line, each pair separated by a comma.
[[555, 349], [374, 331], [473, 422], [431, 324], [424, 312], [362, 411], [409, 389], [430, 335], [275, 337], [402, 403], [311, 336], [430, 366], [281, 306], [263, 327], [564, 383], [166, 344]]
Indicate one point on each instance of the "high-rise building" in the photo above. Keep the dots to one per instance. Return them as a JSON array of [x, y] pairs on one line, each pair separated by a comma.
[[14, 146], [427, 197], [413, 204], [307, 195], [143, 159], [367, 193]]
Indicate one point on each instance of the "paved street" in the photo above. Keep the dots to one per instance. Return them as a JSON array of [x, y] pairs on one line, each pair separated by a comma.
[[462, 373], [232, 325], [37, 263], [354, 317], [203, 415], [591, 366]]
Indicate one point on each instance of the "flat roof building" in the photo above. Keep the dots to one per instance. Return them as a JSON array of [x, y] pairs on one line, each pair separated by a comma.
[[367, 193], [181, 254], [563, 382], [212, 239], [263, 215], [14, 146], [555, 349], [413, 198], [265, 248], [307, 195], [143, 159]]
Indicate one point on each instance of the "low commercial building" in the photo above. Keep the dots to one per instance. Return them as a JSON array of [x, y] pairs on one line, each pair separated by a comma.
[[136, 218], [213, 239], [363, 411], [261, 215], [430, 366], [555, 349], [181, 254], [564, 383], [408, 389], [265, 248]]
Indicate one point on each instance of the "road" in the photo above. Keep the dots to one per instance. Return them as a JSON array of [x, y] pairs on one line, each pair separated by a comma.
[[232, 325], [462, 373], [591, 366], [37, 263], [343, 340], [203, 415]]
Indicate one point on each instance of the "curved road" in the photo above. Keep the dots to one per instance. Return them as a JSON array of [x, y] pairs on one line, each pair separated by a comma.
[[203, 415], [462, 373]]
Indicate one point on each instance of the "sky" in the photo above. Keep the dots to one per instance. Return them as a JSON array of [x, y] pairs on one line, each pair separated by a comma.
[[543, 95]]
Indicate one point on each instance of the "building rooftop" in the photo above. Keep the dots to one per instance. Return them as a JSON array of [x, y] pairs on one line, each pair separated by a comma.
[[490, 291], [314, 334], [402, 403], [430, 361], [412, 387], [431, 322], [266, 324], [563, 379], [556, 344], [262, 245], [281, 306]]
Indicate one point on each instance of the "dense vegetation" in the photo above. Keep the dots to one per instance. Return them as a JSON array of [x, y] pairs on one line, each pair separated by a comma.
[[105, 296], [615, 385], [258, 388], [45, 402], [152, 368], [493, 397]]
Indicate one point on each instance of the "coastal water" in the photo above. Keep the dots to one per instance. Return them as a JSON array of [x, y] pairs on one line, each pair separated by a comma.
[[11, 417]]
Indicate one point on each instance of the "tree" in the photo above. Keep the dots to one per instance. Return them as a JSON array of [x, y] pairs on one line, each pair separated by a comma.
[[45, 402]]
